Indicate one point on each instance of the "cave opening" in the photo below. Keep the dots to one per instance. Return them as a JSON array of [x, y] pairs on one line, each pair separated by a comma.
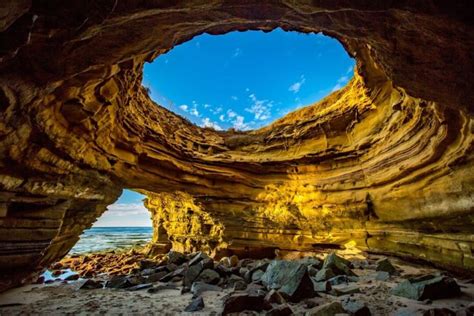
[[126, 224], [247, 80]]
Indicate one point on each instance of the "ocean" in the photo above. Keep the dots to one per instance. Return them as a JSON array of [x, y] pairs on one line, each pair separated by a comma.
[[109, 238]]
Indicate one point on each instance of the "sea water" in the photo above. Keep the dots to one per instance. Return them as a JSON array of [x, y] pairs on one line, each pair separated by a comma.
[[110, 238]]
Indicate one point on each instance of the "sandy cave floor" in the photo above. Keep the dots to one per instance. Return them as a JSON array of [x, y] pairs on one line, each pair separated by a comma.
[[60, 298]]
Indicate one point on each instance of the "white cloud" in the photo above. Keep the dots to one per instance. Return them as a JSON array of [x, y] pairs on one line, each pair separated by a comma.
[[260, 108], [206, 122], [239, 123], [222, 118], [295, 87], [125, 209], [206, 105], [194, 112], [237, 52], [340, 83], [184, 107], [216, 110], [231, 114], [234, 98]]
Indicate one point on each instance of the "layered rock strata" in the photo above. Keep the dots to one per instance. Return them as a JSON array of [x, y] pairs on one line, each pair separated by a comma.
[[385, 163]]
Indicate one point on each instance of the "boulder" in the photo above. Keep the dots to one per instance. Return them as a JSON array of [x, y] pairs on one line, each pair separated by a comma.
[[324, 274], [196, 304], [356, 308], [197, 258], [159, 288], [239, 286], [198, 288], [237, 303], [281, 310], [342, 279], [191, 274], [176, 273], [72, 277], [90, 285], [386, 266], [427, 287], [176, 257], [343, 289], [382, 276], [119, 282], [209, 276], [290, 278], [338, 265], [257, 275], [329, 309], [155, 277], [323, 286]]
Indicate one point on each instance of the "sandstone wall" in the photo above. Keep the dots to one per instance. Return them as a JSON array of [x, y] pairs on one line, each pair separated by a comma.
[[386, 162]]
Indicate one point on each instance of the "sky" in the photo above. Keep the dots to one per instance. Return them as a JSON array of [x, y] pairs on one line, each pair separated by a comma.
[[246, 80], [241, 80]]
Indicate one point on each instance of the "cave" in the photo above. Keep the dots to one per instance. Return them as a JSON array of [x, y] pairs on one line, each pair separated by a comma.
[[385, 163]]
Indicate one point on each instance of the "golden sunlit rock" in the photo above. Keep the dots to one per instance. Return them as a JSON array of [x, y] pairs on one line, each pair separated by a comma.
[[384, 164]]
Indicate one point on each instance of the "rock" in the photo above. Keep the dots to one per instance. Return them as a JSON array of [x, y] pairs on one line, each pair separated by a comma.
[[340, 290], [240, 286], [427, 287], [176, 273], [324, 274], [225, 261], [140, 287], [257, 276], [382, 276], [119, 282], [323, 286], [338, 265], [234, 278], [312, 271], [198, 288], [282, 310], [155, 277], [342, 279], [329, 309], [237, 303], [159, 288], [147, 272], [274, 297], [146, 264], [234, 261], [56, 273], [311, 262], [209, 276], [356, 308], [72, 277], [197, 258], [196, 304], [176, 257], [386, 266], [90, 284], [191, 274], [439, 312], [289, 277]]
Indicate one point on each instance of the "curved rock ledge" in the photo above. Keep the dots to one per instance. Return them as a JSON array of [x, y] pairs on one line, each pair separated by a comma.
[[385, 163]]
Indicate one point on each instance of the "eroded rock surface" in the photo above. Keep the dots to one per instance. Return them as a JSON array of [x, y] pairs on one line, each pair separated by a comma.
[[385, 163]]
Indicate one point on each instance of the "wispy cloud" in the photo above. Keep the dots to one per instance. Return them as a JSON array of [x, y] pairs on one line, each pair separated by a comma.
[[260, 108], [239, 123], [340, 83], [222, 118], [207, 122], [295, 87], [234, 98], [194, 112], [237, 52], [124, 209], [216, 111], [350, 69], [184, 107]]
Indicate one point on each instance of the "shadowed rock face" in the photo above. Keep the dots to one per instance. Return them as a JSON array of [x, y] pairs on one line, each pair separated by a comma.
[[386, 162]]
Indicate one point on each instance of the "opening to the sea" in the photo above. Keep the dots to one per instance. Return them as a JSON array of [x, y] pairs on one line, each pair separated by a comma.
[[246, 80], [125, 225]]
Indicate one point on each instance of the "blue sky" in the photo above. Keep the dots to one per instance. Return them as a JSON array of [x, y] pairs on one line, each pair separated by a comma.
[[243, 80], [246, 80]]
